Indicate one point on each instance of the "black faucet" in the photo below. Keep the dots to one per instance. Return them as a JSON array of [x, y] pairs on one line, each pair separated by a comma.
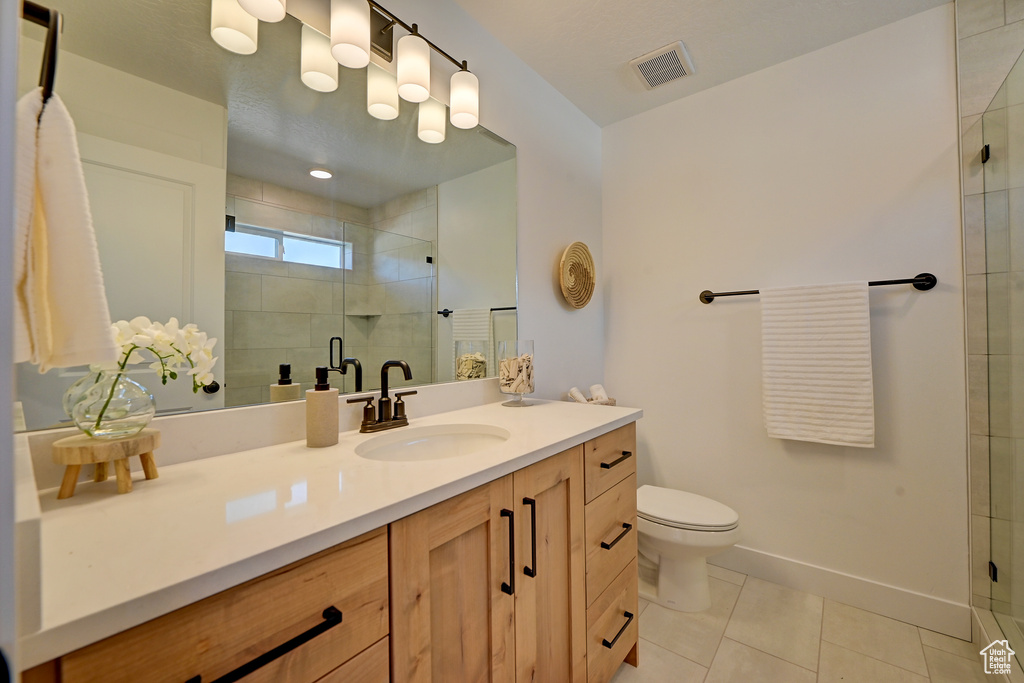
[[384, 404], [345, 362], [384, 418]]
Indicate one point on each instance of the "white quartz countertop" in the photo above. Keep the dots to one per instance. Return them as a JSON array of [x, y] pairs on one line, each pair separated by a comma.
[[110, 562]]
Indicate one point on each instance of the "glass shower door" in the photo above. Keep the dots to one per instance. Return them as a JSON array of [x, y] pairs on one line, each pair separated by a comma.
[[1003, 157]]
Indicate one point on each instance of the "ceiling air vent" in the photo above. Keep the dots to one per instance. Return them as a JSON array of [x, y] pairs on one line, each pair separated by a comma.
[[663, 65]]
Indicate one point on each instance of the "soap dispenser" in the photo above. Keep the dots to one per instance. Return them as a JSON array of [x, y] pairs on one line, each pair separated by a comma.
[[321, 412], [285, 390]]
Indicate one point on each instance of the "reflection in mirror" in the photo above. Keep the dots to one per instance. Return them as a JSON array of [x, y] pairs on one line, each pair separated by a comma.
[[175, 133]]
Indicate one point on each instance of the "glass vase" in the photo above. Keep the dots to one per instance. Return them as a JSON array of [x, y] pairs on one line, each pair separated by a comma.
[[113, 406], [515, 370]]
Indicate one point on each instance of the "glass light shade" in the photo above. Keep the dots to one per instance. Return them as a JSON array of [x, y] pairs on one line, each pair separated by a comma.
[[413, 68], [432, 121], [232, 27], [465, 99], [381, 93], [350, 32], [265, 10], [318, 69]]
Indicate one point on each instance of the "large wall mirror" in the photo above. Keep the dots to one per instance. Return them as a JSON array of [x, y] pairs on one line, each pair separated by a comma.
[[187, 148]]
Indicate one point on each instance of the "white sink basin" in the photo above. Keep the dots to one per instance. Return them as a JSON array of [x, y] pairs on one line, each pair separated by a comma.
[[431, 442]]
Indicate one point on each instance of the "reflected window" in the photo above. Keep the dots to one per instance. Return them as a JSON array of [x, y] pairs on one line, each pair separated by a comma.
[[251, 240]]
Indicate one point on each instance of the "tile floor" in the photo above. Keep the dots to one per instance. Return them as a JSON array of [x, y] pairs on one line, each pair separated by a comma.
[[760, 632]]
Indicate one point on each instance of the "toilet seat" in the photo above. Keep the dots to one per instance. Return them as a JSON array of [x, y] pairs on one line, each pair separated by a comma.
[[684, 510]]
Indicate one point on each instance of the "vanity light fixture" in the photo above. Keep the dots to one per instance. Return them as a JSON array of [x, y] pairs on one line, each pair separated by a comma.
[[431, 121], [381, 93], [350, 32], [232, 27], [465, 99], [356, 27], [265, 10], [413, 67], [317, 66], [321, 173]]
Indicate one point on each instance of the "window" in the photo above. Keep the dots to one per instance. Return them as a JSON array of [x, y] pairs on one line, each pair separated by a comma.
[[289, 247]]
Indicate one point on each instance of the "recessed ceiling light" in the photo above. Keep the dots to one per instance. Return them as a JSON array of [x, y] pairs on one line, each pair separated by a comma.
[[321, 173]]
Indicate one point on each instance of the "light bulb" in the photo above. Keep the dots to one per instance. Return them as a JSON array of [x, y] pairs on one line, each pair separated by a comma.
[[321, 173], [431, 121], [232, 27], [413, 68], [318, 69], [265, 10], [350, 32], [465, 99], [381, 93]]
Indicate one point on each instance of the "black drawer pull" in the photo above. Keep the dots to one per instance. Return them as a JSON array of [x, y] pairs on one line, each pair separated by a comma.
[[510, 587], [332, 617], [613, 463], [625, 530], [532, 570], [629, 620]]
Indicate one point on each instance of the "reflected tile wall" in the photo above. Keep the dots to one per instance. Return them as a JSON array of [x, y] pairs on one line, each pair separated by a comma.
[[383, 307]]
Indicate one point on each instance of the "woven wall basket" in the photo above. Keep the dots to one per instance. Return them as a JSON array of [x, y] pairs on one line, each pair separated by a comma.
[[576, 275]]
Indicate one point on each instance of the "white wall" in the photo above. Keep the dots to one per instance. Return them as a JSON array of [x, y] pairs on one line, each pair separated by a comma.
[[558, 168], [10, 25], [839, 165]]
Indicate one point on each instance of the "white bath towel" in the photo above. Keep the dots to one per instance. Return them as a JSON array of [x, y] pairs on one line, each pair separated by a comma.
[[61, 313], [816, 364], [473, 324]]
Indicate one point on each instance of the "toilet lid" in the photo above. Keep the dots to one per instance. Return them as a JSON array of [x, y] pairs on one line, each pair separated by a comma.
[[684, 510]]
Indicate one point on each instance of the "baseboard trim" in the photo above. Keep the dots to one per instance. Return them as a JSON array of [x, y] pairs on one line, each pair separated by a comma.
[[926, 611]]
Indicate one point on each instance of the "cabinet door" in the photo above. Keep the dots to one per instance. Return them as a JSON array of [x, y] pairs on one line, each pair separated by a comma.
[[452, 620], [550, 602]]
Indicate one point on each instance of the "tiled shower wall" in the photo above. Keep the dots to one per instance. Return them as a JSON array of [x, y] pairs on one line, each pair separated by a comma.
[[286, 313], [991, 38]]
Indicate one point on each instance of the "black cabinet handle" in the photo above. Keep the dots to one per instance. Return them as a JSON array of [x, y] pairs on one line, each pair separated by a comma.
[[625, 530], [532, 571], [332, 617], [613, 463], [629, 620], [510, 587]]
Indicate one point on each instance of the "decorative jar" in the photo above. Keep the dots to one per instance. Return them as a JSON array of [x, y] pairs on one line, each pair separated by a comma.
[[515, 370]]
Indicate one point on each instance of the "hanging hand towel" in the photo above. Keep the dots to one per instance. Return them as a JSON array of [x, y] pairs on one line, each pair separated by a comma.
[[59, 286], [816, 364], [473, 324]]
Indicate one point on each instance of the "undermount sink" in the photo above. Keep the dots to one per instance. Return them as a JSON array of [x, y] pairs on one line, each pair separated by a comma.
[[432, 442]]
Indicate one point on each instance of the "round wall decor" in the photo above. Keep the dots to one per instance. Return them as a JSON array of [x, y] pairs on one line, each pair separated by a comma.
[[576, 275]]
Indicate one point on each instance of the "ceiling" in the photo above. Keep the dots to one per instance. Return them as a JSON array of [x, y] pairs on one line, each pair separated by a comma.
[[277, 127], [583, 47]]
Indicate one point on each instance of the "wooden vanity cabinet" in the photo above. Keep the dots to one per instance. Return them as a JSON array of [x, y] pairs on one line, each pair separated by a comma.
[[216, 636], [465, 609]]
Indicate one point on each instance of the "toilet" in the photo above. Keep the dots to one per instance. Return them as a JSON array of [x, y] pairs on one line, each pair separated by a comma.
[[678, 531]]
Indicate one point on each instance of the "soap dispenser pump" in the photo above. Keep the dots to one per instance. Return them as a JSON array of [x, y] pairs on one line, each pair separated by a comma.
[[285, 389], [321, 412]]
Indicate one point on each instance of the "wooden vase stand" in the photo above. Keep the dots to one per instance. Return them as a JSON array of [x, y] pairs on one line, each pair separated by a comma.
[[82, 449]]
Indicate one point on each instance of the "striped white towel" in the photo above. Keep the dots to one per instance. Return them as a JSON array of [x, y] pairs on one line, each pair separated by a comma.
[[473, 324], [816, 364]]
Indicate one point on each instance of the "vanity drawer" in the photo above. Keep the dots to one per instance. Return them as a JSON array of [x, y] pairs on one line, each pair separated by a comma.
[[372, 665], [610, 535], [613, 627], [226, 631], [609, 459]]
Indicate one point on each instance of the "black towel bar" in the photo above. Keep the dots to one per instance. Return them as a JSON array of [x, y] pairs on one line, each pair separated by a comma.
[[923, 282]]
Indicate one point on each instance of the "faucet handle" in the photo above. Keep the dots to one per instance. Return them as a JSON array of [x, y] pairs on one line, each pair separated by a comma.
[[400, 404], [368, 412]]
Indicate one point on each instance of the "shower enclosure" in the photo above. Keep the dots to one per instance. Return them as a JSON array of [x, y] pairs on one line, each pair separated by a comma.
[[1003, 164]]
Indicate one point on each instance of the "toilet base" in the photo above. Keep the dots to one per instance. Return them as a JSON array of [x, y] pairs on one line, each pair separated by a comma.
[[678, 584]]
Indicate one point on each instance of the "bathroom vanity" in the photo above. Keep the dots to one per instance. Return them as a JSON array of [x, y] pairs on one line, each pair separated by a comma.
[[514, 561]]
